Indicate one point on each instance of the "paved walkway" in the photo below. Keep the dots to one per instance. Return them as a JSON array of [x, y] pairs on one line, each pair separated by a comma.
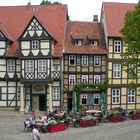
[[11, 128]]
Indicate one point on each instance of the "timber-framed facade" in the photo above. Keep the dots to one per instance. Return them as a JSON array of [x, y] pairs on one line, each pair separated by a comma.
[[43, 56]]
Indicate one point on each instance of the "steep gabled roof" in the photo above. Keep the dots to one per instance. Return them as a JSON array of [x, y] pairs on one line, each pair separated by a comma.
[[4, 31], [84, 30], [114, 16], [16, 18]]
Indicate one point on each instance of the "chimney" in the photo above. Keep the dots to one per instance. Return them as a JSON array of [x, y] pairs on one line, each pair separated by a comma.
[[95, 18]]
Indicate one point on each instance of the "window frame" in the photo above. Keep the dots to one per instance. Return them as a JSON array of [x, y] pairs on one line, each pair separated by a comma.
[[117, 46], [42, 65], [85, 60], [72, 79], [97, 60], [116, 70], [84, 78], [78, 42], [56, 93], [11, 65], [97, 79], [131, 95], [29, 66], [83, 96], [35, 44], [72, 58], [116, 96]]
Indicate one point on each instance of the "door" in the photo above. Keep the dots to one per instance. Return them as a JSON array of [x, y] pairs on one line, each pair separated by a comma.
[[42, 102], [35, 103]]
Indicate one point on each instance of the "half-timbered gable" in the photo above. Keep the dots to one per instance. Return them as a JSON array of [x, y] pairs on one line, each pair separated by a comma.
[[84, 62], [118, 94], [36, 41]]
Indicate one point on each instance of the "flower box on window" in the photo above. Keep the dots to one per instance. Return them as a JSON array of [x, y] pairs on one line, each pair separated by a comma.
[[135, 116], [115, 119], [56, 128], [87, 123]]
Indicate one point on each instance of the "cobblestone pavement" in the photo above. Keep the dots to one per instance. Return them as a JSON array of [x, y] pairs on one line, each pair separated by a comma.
[[11, 128]]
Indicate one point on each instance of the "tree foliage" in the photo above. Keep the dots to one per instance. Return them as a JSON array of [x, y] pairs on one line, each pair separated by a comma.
[[49, 2], [131, 37]]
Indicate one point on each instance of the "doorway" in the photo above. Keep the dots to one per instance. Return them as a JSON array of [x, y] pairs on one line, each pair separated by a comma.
[[42, 102]]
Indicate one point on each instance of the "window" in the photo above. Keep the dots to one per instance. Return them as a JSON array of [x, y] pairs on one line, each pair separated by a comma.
[[131, 96], [97, 60], [116, 70], [115, 96], [85, 78], [11, 65], [41, 65], [96, 98], [96, 79], [72, 60], [131, 70], [90, 60], [117, 46], [29, 66], [56, 93], [83, 98], [71, 79], [84, 60], [78, 42], [93, 42], [35, 44], [78, 60]]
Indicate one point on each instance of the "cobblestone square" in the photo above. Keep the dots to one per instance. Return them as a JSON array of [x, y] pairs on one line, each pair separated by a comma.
[[11, 128]]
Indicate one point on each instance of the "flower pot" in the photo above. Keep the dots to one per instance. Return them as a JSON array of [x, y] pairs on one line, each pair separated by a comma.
[[87, 123], [56, 128], [115, 119]]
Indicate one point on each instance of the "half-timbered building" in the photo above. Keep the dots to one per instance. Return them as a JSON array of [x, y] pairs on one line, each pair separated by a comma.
[[84, 61], [31, 42], [119, 93]]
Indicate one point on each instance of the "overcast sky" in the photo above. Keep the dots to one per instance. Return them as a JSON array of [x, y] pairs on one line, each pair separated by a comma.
[[77, 9]]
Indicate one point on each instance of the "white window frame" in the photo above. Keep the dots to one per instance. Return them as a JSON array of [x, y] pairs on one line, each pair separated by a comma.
[[93, 42], [116, 70], [85, 60], [83, 96], [96, 96], [10, 65], [56, 93], [72, 79], [35, 44], [97, 60], [78, 42], [115, 96], [117, 46], [42, 65], [84, 79], [131, 96], [97, 79], [29, 66], [72, 58]]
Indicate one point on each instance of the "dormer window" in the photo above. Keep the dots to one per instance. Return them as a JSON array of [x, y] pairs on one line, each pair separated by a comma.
[[93, 42], [35, 44], [78, 42]]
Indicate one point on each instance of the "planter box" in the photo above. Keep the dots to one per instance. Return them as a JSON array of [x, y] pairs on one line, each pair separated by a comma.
[[135, 116], [87, 123], [56, 128], [115, 119]]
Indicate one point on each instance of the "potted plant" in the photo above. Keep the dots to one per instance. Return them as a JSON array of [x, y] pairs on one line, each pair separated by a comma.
[[116, 118]]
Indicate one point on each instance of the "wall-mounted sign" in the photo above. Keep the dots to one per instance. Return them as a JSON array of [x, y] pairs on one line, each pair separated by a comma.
[[38, 87]]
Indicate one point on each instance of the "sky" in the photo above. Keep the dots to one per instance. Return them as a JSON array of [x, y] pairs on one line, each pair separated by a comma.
[[80, 10]]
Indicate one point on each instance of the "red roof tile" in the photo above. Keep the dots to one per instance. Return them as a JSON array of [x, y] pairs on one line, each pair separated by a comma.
[[83, 30], [16, 18], [114, 16]]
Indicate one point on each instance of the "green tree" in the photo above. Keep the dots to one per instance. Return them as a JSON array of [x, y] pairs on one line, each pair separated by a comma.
[[131, 37], [49, 2]]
